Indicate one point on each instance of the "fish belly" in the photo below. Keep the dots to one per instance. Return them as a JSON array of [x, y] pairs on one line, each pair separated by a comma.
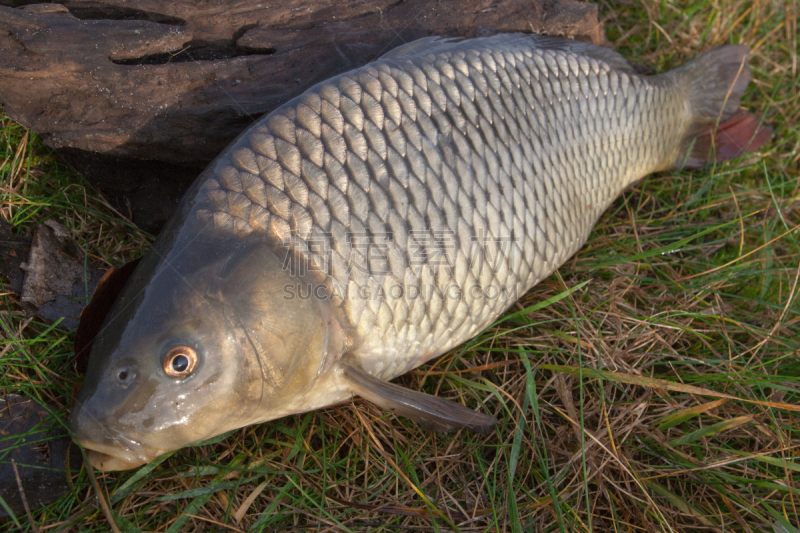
[[428, 191]]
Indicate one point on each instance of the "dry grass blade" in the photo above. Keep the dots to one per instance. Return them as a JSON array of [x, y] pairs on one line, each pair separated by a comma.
[[249, 501], [711, 430], [101, 499], [24, 498], [683, 415], [663, 384]]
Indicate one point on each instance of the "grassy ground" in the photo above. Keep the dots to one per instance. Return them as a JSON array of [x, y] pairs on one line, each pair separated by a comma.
[[647, 399]]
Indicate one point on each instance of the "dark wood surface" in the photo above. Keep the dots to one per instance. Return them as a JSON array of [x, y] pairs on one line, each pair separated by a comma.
[[140, 95], [176, 81]]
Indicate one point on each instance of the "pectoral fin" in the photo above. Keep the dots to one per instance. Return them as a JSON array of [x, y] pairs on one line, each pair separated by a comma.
[[428, 411]]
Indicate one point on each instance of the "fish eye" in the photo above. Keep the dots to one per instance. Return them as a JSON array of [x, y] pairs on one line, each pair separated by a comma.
[[180, 361]]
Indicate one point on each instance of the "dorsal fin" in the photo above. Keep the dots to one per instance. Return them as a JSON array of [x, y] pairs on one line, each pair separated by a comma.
[[437, 44], [426, 45]]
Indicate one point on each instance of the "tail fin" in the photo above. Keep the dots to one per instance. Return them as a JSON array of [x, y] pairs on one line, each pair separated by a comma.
[[715, 83]]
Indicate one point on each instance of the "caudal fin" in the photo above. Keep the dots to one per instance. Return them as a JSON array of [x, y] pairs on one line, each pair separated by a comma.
[[715, 83]]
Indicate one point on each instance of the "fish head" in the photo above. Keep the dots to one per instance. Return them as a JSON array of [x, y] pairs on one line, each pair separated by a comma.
[[190, 352]]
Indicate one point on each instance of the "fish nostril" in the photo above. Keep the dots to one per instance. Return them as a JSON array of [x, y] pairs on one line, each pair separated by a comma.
[[126, 375]]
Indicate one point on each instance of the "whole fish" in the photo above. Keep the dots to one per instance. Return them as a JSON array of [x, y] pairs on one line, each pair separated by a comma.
[[380, 219]]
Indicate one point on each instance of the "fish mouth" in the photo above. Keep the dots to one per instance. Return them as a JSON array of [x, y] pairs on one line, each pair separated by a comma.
[[118, 456], [107, 448]]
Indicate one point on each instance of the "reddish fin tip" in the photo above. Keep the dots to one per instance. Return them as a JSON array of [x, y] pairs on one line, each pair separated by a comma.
[[741, 133]]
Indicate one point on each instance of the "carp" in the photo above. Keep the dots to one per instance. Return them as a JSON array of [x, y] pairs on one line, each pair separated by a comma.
[[380, 219]]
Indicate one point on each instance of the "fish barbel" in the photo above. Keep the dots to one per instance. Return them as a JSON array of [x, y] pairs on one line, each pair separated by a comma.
[[378, 220]]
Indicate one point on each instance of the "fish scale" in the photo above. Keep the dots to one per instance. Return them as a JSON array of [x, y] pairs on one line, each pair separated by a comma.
[[471, 172]]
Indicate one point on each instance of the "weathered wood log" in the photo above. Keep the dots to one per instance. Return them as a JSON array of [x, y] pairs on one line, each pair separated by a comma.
[[175, 82], [184, 78]]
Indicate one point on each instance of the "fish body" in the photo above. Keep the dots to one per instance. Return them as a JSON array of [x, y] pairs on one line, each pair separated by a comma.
[[380, 219]]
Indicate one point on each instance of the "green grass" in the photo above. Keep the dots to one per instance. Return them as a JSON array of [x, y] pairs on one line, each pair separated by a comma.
[[692, 280]]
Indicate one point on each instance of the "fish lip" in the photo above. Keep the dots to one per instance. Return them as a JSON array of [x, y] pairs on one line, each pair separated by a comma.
[[106, 448], [123, 454]]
